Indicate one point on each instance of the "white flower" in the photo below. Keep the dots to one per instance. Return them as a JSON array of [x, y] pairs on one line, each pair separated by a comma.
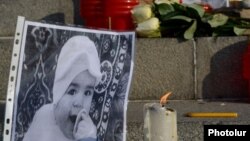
[[141, 12], [150, 24], [166, 1], [149, 28]]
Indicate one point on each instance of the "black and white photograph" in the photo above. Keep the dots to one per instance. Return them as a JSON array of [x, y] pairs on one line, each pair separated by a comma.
[[72, 84]]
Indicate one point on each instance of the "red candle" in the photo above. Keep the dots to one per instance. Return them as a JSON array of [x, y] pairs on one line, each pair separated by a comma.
[[118, 13], [92, 13]]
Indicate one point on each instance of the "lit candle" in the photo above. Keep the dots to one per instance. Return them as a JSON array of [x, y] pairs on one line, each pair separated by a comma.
[[160, 123]]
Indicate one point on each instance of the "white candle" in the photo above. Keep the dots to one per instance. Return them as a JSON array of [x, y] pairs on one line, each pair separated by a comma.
[[160, 123]]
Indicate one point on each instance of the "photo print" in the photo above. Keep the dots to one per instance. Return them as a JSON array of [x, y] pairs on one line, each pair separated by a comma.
[[72, 84]]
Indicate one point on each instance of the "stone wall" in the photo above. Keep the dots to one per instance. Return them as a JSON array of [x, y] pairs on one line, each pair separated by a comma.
[[207, 68], [54, 10]]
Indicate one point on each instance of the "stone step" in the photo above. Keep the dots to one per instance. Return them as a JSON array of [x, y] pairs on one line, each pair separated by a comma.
[[208, 68], [187, 128]]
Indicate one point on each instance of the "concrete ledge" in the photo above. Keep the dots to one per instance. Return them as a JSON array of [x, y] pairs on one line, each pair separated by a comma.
[[184, 106], [188, 128], [209, 68], [191, 131], [6, 47], [161, 65], [212, 69], [219, 67], [32, 10]]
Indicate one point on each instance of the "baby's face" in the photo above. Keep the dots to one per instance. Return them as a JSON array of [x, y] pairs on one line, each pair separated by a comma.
[[78, 96]]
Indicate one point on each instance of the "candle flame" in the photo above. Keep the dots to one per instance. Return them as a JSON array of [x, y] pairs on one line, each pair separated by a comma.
[[164, 98]]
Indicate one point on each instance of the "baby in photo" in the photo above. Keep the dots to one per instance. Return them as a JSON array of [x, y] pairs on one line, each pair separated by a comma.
[[67, 118]]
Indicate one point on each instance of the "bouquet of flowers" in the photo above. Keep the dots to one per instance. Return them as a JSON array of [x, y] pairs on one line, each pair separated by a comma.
[[168, 18]]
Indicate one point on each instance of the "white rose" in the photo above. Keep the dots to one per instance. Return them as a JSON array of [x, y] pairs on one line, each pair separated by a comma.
[[150, 24], [141, 12], [149, 28]]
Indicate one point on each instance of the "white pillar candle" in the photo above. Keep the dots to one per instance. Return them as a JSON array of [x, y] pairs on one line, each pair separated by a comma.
[[160, 123]]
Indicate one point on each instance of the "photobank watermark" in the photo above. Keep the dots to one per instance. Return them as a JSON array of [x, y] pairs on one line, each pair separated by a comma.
[[241, 132]]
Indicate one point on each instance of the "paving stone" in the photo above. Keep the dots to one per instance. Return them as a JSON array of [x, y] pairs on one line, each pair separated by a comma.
[[135, 131]]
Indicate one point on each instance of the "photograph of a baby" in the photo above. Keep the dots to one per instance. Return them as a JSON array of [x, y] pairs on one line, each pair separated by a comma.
[[76, 86], [67, 118]]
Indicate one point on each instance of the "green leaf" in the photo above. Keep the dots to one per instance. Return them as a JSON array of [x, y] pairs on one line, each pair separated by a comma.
[[189, 33], [223, 31], [214, 34], [206, 17], [239, 31], [175, 24], [187, 19], [218, 20], [198, 8], [179, 7], [169, 15], [165, 8]]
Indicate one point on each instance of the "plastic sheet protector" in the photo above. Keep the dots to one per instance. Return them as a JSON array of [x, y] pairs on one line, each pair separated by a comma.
[[68, 83]]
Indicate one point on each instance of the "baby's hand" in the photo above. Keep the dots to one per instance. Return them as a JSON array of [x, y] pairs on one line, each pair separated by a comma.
[[84, 126]]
